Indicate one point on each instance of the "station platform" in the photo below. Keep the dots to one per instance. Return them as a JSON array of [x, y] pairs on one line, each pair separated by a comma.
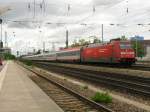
[[18, 93]]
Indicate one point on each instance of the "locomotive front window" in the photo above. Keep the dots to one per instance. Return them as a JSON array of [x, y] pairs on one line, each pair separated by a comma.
[[125, 46]]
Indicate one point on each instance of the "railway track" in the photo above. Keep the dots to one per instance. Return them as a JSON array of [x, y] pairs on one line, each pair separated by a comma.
[[133, 67], [140, 67], [136, 66], [67, 99], [125, 83]]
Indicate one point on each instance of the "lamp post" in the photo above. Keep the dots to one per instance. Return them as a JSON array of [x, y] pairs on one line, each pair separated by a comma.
[[1, 43], [102, 33], [66, 38], [40, 39], [44, 47], [136, 47], [6, 43]]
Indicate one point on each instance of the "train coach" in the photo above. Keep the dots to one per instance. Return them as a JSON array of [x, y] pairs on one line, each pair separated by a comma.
[[41, 57], [113, 52]]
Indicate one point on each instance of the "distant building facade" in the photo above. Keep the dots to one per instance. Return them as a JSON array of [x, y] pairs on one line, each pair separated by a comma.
[[137, 37], [146, 48]]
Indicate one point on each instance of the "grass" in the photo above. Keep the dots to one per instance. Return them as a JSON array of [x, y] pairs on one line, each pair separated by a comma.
[[65, 79], [102, 97], [85, 87], [28, 62]]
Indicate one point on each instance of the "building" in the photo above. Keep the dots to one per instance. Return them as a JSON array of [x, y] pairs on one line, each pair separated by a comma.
[[146, 43], [5, 50], [147, 57], [146, 46], [137, 37]]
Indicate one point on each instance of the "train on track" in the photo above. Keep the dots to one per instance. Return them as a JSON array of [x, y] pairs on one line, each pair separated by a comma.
[[115, 51]]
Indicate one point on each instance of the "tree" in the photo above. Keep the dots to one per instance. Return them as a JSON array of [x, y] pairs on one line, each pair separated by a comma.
[[123, 37], [96, 40], [83, 42], [137, 46], [8, 56], [38, 52], [75, 44]]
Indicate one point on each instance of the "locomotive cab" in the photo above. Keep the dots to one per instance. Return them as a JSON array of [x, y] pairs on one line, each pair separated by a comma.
[[123, 52]]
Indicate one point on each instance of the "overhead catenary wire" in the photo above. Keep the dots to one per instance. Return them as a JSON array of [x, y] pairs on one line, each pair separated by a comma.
[[43, 4], [94, 10], [69, 9]]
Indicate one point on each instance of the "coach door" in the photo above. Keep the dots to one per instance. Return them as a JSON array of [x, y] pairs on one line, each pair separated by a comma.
[[112, 58]]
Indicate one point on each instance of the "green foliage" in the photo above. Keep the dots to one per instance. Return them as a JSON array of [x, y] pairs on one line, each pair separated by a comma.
[[38, 52], [85, 87], [65, 79], [96, 40], [8, 56], [75, 44], [137, 46], [123, 38], [83, 42], [28, 62], [102, 97]]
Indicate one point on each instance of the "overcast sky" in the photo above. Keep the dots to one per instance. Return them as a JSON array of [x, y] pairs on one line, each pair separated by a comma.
[[27, 30]]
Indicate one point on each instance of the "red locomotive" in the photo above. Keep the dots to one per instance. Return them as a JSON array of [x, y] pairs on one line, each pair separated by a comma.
[[115, 51]]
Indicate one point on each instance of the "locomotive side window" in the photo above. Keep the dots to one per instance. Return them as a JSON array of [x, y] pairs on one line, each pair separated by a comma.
[[125, 46], [71, 53]]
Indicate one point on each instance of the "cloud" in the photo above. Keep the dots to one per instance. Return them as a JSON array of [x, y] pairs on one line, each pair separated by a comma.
[[21, 25], [105, 2], [81, 11]]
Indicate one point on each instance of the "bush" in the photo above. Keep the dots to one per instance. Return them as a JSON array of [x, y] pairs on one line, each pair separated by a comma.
[[28, 62], [102, 97], [85, 87], [8, 56]]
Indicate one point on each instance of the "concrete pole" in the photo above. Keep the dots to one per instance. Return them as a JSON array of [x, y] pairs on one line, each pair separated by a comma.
[[1, 39], [67, 39], [102, 33], [34, 3], [43, 47], [136, 48], [53, 46], [5, 39], [1, 29]]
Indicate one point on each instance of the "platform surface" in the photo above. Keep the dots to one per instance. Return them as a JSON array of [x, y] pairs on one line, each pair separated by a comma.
[[18, 93]]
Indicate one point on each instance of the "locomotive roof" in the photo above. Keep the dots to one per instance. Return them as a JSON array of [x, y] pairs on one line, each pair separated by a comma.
[[97, 44], [42, 54], [106, 43], [69, 49]]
